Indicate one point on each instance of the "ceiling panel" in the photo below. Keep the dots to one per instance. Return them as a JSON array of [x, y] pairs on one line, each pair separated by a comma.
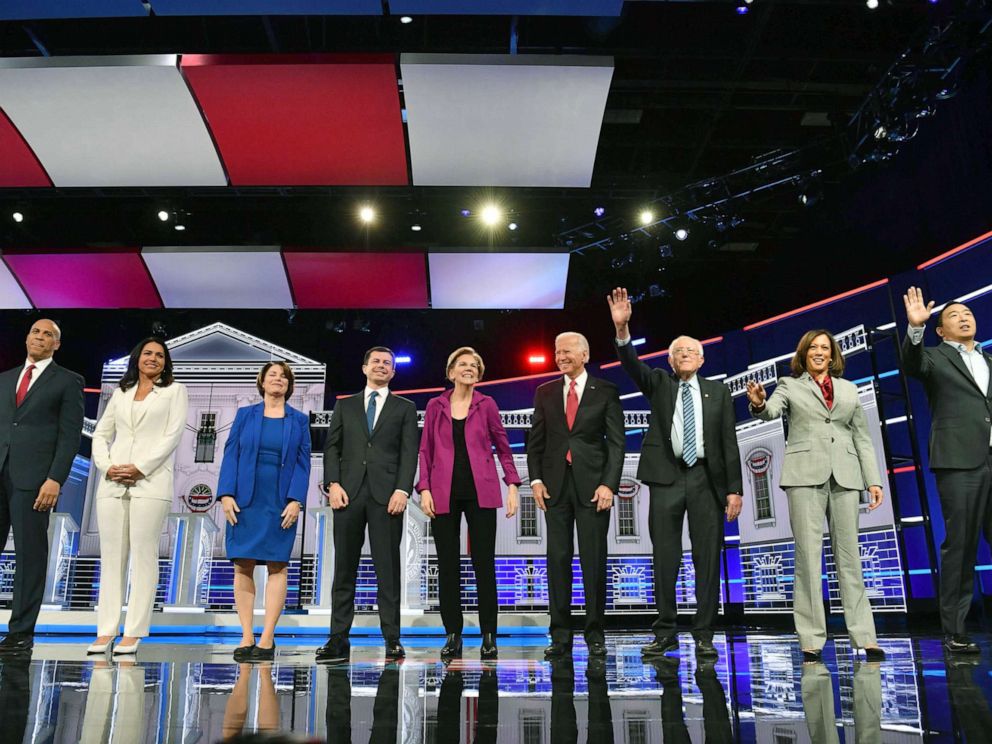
[[12, 297], [110, 121], [507, 7], [19, 166], [357, 280], [219, 276], [113, 279], [266, 7], [504, 120], [498, 281], [13, 10], [314, 120]]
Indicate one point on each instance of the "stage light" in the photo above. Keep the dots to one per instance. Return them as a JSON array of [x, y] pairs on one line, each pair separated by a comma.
[[466, 213], [748, 2], [491, 215], [17, 217], [512, 226], [681, 234], [416, 228], [406, 19], [638, 342], [599, 211], [742, 10], [180, 228], [881, 132], [646, 217], [537, 360], [366, 214], [872, 4], [163, 215], [403, 359]]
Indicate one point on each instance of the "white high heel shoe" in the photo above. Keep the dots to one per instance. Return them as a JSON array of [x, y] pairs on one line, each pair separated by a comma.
[[132, 649], [100, 648]]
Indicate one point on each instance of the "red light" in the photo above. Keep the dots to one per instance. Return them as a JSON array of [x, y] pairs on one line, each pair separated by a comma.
[[537, 360]]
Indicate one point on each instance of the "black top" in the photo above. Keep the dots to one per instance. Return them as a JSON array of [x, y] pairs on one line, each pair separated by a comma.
[[462, 482]]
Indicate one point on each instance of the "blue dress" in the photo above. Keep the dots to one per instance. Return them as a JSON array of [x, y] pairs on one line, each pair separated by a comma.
[[259, 535]]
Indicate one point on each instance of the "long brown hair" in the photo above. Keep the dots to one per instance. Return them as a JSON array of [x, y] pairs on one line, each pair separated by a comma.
[[798, 363]]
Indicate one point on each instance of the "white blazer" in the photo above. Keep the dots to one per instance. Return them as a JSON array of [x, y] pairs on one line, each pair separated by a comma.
[[144, 434]]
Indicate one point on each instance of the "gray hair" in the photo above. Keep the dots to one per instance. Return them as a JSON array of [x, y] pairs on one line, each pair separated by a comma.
[[696, 341], [583, 341]]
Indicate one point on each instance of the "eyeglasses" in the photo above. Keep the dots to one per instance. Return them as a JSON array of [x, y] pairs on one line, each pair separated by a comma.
[[685, 350]]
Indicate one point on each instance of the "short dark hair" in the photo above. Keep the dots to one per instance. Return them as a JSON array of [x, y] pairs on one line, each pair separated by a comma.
[[940, 315], [798, 363], [374, 349], [285, 368], [130, 378]]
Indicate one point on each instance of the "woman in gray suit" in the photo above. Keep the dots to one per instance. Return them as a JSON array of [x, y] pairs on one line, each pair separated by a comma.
[[829, 461]]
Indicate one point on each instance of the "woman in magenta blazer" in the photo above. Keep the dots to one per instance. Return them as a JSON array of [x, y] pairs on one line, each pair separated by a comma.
[[458, 476]]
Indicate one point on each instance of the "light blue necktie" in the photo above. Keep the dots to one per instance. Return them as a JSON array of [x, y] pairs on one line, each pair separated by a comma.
[[370, 411], [688, 426]]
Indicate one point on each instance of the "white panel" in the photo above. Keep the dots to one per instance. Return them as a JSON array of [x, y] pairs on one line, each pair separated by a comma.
[[498, 280], [209, 277], [12, 297], [495, 120], [110, 121]]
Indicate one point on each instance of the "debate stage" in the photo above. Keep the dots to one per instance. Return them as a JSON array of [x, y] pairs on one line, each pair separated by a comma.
[[188, 689]]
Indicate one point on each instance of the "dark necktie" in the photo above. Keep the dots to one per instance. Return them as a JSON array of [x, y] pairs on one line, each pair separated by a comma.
[[370, 411], [688, 426], [22, 389]]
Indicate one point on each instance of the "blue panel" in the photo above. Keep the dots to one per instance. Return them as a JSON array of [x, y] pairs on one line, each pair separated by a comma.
[[35, 9], [507, 7], [266, 7]]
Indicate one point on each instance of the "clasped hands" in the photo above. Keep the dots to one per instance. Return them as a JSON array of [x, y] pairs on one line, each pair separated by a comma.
[[126, 475], [602, 498]]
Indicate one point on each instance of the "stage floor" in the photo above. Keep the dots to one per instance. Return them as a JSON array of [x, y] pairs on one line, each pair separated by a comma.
[[190, 690]]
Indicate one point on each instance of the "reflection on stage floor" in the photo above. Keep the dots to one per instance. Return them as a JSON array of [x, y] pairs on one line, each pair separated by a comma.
[[189, 690]]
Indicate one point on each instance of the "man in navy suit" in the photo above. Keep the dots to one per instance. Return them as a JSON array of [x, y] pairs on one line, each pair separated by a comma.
[[369, 464], [41, 419]]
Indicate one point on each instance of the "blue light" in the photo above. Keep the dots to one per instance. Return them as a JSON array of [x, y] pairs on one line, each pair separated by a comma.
[[599, 211], [638, 342], [466, 213], [403, 359], [742, 10]]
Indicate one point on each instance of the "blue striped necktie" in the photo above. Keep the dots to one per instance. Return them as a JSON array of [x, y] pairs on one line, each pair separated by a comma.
[[688, 426], [370, 411]]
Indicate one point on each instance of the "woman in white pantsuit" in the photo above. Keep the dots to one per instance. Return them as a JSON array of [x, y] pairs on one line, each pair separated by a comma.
[[829, 461], [134, 447]]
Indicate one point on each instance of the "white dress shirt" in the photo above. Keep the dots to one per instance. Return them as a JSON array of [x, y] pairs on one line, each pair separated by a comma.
[[580, 385], [974, 360], [39, 367], [381, 393], [678, 424]]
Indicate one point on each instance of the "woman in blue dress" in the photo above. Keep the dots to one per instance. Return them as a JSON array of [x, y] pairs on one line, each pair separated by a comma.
[[263, 482]]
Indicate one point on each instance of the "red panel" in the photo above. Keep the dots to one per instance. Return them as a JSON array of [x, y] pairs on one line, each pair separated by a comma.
[[358, 280], [307, 120], [115, 279], [18, 165]]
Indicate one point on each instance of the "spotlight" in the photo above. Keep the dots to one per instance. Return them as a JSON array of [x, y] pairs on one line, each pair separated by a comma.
[[405, 20], [17, 217], [681, 234], [366, 214], [872, 4], [881, 132], [512, 226], [416, 228], [536, 360], [646, 217], [742, 9], [599, 211], [491, 215], [163, 215], [748, 2], [403, 359], [180, 227], [466, 213]]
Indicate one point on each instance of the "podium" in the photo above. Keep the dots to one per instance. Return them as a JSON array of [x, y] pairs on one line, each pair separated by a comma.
[[193, 548], [323, 570], [63, 534]]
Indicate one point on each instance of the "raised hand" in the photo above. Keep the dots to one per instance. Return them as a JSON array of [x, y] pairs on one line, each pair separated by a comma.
[[756, 394], [917, 312], [620, 310]]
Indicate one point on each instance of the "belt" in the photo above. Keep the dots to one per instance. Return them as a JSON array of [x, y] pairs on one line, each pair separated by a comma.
[[684, 466]]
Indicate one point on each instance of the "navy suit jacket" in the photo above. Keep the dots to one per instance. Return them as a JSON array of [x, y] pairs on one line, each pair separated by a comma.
[[237, 470]]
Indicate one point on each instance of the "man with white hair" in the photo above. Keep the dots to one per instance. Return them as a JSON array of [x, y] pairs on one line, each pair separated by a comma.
[[575, 459], [690, 462]]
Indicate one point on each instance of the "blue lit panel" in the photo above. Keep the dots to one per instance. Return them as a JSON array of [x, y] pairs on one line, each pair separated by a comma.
[[266, 7], [37, 9], [503, 7]]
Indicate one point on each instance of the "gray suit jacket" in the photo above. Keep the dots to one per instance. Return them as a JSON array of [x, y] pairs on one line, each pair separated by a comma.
[[823, 442]]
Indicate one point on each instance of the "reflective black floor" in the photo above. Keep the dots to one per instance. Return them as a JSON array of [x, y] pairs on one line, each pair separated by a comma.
[[758, 691]]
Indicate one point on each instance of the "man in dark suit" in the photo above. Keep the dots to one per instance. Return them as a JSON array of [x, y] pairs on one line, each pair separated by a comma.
[[575, 458], [956, 375], [369, 464], [690, 461], [41, 419]]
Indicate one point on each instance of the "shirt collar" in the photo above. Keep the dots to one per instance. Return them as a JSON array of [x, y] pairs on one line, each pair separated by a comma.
[[580, 381], [961, 348], [381, 392], [693, 381], [39, 366]]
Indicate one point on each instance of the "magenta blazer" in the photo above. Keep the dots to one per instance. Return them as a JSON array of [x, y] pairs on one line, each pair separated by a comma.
[[483, 431]]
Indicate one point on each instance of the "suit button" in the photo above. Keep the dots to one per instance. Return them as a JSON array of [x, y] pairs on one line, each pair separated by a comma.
[[826, 421], [15, 423], [363, 462], [987, 420], [370, 445]]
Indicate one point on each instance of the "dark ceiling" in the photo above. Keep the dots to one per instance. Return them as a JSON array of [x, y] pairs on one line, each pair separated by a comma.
[[698, 92]]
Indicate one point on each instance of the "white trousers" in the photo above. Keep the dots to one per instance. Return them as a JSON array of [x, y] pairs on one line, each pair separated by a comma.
[[129, 528], [115, 713]]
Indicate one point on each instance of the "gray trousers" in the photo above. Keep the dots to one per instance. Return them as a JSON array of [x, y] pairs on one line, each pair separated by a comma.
[[807, 507]]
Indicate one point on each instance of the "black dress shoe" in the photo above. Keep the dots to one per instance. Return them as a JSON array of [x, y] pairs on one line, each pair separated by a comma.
[[597, 648], [452, 646], [874, 654], [15, 644], [394, 649], [813, 657], [705, 648], [488, 650], [557, 650], [337, 648], [258, 653], [243, 653], [953, 643], [661, 646]]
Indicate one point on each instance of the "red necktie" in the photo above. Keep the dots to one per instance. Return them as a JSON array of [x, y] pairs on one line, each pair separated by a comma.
[[22, 389], [827, 388], [571, 408]]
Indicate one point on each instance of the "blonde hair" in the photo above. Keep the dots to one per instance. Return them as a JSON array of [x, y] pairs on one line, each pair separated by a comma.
[[462, 351]]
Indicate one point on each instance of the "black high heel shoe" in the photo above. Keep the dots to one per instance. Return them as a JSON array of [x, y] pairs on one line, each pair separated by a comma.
[[813, 657], [488, 650], [452, 646]]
